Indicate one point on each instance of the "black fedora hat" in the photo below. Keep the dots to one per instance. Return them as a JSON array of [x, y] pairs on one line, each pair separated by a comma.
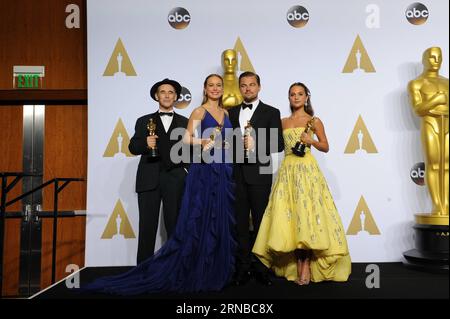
[[175, 85]]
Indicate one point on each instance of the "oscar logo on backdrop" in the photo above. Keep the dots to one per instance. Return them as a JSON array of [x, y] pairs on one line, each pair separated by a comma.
[[119, 64], [360, 141], [428, 94], [358, 60], [118, 226], [118, 142], [244, 63], [363, 224]]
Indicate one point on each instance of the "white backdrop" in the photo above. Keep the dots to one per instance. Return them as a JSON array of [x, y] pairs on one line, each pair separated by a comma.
[[377, 175]]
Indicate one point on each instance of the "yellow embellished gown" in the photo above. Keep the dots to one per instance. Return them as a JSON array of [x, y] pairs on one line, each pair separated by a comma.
[[301, 214]]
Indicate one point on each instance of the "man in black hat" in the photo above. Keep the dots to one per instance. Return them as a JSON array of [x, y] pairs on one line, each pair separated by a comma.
[[158, 178]]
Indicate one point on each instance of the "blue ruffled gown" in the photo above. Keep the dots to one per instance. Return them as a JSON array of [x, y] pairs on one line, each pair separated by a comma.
[[200, 254]]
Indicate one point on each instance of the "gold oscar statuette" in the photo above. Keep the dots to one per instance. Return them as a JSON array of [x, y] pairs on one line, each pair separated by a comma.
[[299, 148], [231, 93], [151, 127], [217, 130], [428, 94], [213, 137], [214, 133], [247, 132]]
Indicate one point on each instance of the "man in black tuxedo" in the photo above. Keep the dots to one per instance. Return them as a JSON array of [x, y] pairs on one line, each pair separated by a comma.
[[158, 178], [254, 177]]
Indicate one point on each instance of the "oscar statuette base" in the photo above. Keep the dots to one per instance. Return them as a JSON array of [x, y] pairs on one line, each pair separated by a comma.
[[431, 245], [153, 152], [299, 149]]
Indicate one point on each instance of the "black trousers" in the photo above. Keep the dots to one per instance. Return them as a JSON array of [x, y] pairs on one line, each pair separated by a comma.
[[170, 192], [254, 199]]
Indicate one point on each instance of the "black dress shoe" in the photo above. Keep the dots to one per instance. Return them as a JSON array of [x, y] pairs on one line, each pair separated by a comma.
[[241, 278], [263, 278]]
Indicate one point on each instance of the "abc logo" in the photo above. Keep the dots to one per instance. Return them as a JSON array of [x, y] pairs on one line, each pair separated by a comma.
[[179, 18], [417, 13], [417, 174], [184, 100], [297, 16]]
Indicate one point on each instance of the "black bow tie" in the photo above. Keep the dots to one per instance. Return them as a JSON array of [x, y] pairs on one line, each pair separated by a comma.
[[166, 113], [245, 105]]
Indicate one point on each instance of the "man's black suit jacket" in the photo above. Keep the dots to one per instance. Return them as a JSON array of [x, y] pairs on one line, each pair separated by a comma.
[[147, 177], [265, 117]]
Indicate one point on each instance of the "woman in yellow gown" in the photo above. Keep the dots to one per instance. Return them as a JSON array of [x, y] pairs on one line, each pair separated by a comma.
[[301, 236]]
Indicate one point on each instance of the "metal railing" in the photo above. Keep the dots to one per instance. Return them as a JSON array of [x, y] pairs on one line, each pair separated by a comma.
[[5, 188]]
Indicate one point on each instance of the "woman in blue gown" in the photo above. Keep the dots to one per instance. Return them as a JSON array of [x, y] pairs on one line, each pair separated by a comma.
[[200, 254]]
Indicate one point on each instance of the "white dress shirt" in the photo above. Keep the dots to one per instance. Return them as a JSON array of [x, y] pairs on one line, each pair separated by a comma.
[[246, 114], [166, 120]]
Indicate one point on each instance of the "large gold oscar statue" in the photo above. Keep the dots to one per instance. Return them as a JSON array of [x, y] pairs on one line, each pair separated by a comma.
[[231, 93], [429, 98]]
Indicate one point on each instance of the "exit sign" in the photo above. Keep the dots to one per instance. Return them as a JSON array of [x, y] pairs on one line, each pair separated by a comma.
[[27, 81], [28, 77]]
